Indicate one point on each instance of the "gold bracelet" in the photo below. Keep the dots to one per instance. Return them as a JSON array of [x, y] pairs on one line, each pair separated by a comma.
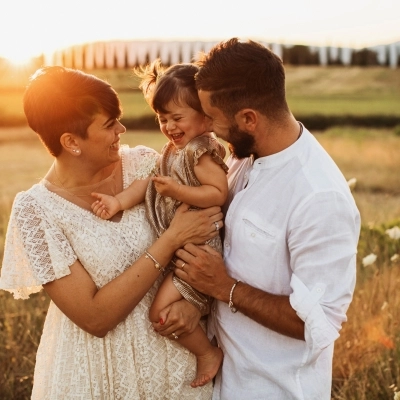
[[156, 263], [230, 304]]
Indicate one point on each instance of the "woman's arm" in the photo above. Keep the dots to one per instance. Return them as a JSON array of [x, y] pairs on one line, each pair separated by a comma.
[[97, 311], [213, 190]]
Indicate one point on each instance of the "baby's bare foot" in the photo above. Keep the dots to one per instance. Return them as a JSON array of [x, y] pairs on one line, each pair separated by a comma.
[[207, 366]]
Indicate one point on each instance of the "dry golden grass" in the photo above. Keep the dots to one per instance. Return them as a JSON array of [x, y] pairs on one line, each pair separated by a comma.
[[372, 157], [367, 354], [367, 359]]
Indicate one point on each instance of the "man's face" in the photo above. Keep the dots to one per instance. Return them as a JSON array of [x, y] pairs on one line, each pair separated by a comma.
[[241, 142]]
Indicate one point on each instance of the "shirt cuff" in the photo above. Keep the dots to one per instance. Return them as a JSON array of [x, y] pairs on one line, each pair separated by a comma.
[[318, 331]]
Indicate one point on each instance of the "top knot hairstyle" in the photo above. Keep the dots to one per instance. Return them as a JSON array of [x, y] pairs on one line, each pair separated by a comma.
[[162, 85], [59, 100], [243, 75]]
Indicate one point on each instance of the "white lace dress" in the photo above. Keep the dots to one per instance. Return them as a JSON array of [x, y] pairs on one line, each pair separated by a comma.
[[45, 235]]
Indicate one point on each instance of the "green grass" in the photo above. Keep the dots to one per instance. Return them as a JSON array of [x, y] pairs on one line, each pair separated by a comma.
[[343, 90], [345, 105], [310, 90]]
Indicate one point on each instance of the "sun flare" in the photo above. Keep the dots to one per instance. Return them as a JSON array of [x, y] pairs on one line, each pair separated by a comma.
[[18, 56], [19, 60]]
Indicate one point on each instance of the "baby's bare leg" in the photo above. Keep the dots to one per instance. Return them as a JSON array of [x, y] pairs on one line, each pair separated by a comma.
[[166, 295], [209, 358]]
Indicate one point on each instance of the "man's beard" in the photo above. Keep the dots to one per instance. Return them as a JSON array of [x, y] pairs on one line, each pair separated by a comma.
[[240, 143]]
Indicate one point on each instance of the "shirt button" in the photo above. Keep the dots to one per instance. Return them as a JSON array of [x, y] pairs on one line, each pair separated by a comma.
[[319, 290], [226, 244], [253, 235]]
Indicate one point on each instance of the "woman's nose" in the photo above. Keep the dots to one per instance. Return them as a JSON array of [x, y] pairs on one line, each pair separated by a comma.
[[120, 129]]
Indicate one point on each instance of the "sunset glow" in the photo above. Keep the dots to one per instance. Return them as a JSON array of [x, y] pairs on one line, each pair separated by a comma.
[[32, 28], [18, 58]]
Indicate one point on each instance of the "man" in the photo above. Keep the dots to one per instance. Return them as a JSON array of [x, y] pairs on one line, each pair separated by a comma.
[[292, 227]]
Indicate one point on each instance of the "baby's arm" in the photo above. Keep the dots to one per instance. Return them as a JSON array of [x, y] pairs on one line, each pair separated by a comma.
[[107, 206], [212, 192]]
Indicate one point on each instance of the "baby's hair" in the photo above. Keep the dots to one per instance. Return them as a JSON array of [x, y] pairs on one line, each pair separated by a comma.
[[161, 85]]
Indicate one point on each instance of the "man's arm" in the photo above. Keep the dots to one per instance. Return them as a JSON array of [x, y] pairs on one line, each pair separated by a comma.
[[322, 242], [205, 270]]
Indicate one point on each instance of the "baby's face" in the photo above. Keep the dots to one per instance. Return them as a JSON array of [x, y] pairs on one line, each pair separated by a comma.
[[182, 124]]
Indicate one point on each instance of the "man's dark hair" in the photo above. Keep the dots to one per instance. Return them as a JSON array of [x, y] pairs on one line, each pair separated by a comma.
[[243, 75]]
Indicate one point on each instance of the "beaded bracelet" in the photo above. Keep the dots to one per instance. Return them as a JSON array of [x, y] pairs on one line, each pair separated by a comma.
[[156, 263], [230, 304]]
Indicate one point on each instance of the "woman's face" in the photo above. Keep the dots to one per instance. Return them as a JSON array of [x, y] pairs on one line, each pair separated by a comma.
[[103, 141], [182, 123]]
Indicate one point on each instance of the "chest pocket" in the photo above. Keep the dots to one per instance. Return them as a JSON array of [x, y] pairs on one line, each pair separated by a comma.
[[257, 231], [260, 242]]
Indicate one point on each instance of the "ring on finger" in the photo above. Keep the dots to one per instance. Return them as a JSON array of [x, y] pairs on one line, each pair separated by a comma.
[[216, 225], [174, 335], [183, 266]]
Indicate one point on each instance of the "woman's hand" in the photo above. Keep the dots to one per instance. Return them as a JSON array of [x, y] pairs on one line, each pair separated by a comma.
[[179, 318], [194, 226]]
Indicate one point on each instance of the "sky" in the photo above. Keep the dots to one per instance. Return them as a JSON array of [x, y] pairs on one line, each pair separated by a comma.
[[33, 27]]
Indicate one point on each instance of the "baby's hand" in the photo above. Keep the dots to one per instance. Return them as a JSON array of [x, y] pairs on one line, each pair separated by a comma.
[[106, 206], [166, 186]]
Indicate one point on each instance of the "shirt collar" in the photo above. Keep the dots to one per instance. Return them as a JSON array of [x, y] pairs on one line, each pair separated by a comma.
[[285, 155]]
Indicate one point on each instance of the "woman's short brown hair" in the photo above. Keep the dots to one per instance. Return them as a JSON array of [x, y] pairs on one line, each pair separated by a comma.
[[59, 100]]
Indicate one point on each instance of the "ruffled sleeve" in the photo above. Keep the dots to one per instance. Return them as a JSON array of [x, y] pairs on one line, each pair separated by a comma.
[[204, 144], [36, 251]]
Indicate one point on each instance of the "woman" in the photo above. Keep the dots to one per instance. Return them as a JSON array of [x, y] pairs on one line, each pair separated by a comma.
[[101, 275]]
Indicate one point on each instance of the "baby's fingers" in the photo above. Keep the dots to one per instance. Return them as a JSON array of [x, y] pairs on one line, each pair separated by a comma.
[[97, 207]]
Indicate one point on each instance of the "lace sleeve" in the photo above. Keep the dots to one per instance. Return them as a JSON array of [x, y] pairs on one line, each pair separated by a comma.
[[139, 162], [36, 251]]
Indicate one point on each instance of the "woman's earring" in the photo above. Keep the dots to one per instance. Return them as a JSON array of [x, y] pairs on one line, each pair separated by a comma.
[[76, 151]]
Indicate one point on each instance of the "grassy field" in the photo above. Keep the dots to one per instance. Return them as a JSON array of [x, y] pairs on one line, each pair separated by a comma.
[[367, 354], [311, 90]]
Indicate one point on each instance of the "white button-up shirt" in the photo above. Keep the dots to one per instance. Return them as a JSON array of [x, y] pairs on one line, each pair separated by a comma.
[[292, 230]]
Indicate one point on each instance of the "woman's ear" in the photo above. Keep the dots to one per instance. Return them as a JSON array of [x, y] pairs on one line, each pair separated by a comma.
[[70, 144], [247, 119]]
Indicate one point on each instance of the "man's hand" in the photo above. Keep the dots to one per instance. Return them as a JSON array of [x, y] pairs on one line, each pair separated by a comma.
[[204, 269]]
